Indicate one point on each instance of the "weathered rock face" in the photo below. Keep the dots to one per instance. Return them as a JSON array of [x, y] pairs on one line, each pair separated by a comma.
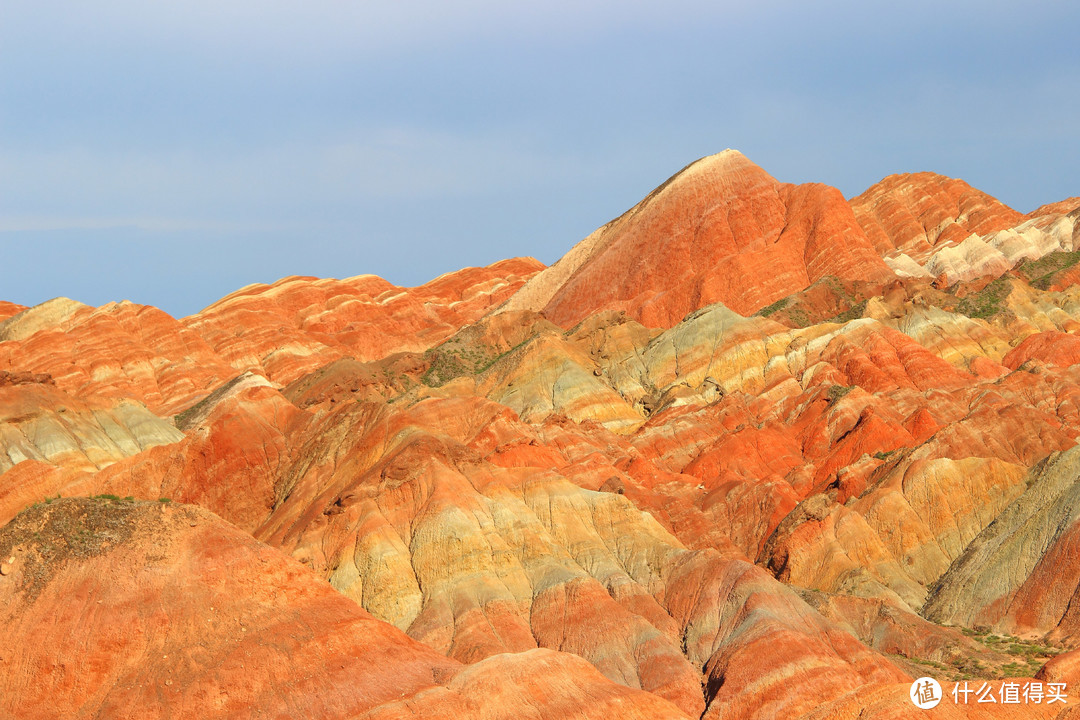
[[587, 490], [133, 609], [296, 325], [1049, 348], [7, 309], [915, 213], [120, 350], [474, 559], [1019, 573], [721, 230], [48, 437], [926, 225], [281, 331]]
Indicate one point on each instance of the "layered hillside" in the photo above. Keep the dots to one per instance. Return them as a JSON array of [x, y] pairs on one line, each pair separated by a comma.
[[210, 621], [720, 230], [748, 451], [929, 225]]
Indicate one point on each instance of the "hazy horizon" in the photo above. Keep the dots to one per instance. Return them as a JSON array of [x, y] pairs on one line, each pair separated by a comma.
[[171, 155]]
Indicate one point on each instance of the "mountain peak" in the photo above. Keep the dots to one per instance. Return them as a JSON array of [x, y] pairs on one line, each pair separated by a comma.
[[719, 230], [916, 213], [51, 313], [725, 171]]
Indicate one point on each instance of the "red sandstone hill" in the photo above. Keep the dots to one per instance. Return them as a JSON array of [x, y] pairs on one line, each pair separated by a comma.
[[916, 212], [720, 230], [280, 331], [146, 610], [614, 497], [297, 324]]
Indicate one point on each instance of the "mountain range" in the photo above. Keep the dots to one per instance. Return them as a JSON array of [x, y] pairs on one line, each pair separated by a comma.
[[750, 450]]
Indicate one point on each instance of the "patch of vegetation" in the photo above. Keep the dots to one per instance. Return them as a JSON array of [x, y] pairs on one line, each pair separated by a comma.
[[164, 500], [930, 663], [455, 359], [182, 420], [987, 302], [49, 535], [797, 316], [1013, 645], [44, 501], [883, 454], [805, 308], [107, 496], [1004, 657], [447, 364], [838, 391], [500, 356], [776, 306], [1022, 658], [853, 313], [1039, 273]]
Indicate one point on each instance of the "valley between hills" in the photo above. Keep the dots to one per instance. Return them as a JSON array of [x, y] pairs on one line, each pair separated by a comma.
[[751, 450]]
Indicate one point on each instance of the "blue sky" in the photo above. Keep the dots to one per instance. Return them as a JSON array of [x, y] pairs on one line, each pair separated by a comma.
[[169, 153]]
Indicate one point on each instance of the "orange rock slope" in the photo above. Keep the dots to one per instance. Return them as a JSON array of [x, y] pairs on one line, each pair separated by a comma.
[[915, 212], [929, 225], [748, 451], [146, 610], [720, 230], [298, 324]]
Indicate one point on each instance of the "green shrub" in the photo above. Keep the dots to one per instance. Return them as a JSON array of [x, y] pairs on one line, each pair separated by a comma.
[[838, 391], [987, 302]]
